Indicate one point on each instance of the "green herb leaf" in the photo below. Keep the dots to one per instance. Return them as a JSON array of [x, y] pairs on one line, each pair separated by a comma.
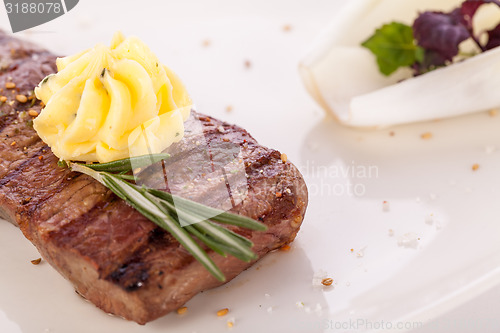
[[150, 209], [394, 46], [126, 164], [209, 212]]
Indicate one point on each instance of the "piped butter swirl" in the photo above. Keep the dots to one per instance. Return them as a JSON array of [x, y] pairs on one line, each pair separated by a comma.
[[108, 103]]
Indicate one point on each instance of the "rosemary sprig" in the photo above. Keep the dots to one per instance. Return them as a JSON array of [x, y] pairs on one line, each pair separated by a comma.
[[165, 210]]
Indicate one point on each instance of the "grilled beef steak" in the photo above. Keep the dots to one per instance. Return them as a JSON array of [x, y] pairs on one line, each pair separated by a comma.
[[112, 255]]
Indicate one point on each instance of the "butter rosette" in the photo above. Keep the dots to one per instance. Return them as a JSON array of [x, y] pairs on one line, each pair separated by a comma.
[[109, 103]]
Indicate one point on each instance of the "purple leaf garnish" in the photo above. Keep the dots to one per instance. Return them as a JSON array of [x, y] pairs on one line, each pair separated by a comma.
[[493, 38], [440, 32], [437, 36]]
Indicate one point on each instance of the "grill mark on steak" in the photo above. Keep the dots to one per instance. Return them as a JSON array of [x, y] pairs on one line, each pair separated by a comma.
[[7, 178], [6, 119], [113, 255], [130, 276]]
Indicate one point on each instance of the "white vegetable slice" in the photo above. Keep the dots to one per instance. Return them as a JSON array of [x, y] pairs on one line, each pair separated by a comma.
[[344, 79]]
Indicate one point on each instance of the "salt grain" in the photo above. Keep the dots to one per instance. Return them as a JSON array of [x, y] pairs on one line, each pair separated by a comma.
[[361, 253], [438, 225], [317, 280], [489, 149], [313, 146], [408, 240], [385, 206]]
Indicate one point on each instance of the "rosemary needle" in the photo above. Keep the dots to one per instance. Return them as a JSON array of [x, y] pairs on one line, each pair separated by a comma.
[[165, 210]]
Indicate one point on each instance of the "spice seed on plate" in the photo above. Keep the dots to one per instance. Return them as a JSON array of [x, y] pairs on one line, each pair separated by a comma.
[[182, 310], [36, 261], [426, 135], [222, 312], [475, 167], [327, 281], [285, 248], [10, 85]]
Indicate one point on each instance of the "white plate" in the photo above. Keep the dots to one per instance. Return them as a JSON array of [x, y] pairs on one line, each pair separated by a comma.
[[456, 258]]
